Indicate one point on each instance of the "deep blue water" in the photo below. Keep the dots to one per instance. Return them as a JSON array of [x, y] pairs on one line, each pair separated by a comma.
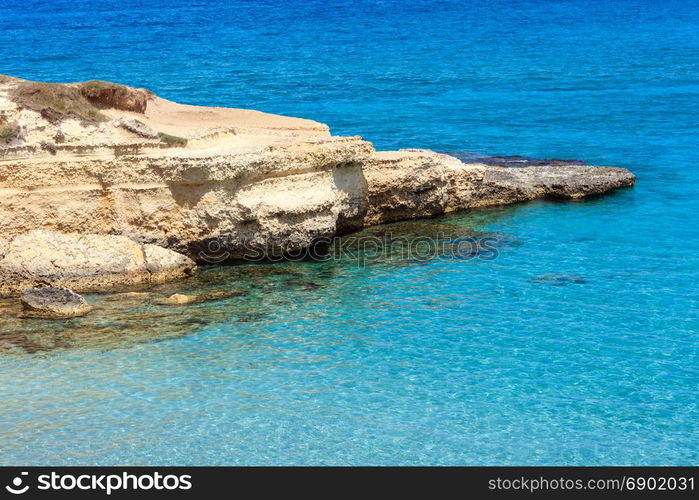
[[445, 362]]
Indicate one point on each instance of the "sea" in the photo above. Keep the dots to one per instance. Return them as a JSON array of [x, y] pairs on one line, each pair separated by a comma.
[[576, 342]]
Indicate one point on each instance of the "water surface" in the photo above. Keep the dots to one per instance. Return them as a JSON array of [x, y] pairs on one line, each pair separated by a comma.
[[576, 345]]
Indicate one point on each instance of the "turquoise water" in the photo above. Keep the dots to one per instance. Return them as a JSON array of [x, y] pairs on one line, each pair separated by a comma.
[[450, 361]]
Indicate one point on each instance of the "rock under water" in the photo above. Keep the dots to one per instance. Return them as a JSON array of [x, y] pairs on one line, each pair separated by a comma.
[[559, 279]]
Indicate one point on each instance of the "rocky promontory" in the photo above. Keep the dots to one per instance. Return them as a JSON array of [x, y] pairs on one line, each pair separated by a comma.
[[103, 185]]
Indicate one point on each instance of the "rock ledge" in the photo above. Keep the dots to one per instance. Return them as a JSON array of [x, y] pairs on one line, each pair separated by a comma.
[[85, 262]]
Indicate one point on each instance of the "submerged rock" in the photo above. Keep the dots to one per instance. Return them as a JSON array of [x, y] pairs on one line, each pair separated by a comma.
[[559, 279], [176, 299], [53, 303], [179, 299], [124, 319], [128, 298]]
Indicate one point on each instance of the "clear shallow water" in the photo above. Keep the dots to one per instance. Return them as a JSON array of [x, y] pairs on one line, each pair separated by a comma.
[[445, 362]]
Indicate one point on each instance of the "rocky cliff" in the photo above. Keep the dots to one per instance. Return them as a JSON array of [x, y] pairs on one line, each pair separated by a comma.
[[100, 159]]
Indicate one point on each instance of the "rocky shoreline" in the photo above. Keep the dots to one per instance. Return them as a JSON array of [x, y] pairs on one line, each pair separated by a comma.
[[104, 186]]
